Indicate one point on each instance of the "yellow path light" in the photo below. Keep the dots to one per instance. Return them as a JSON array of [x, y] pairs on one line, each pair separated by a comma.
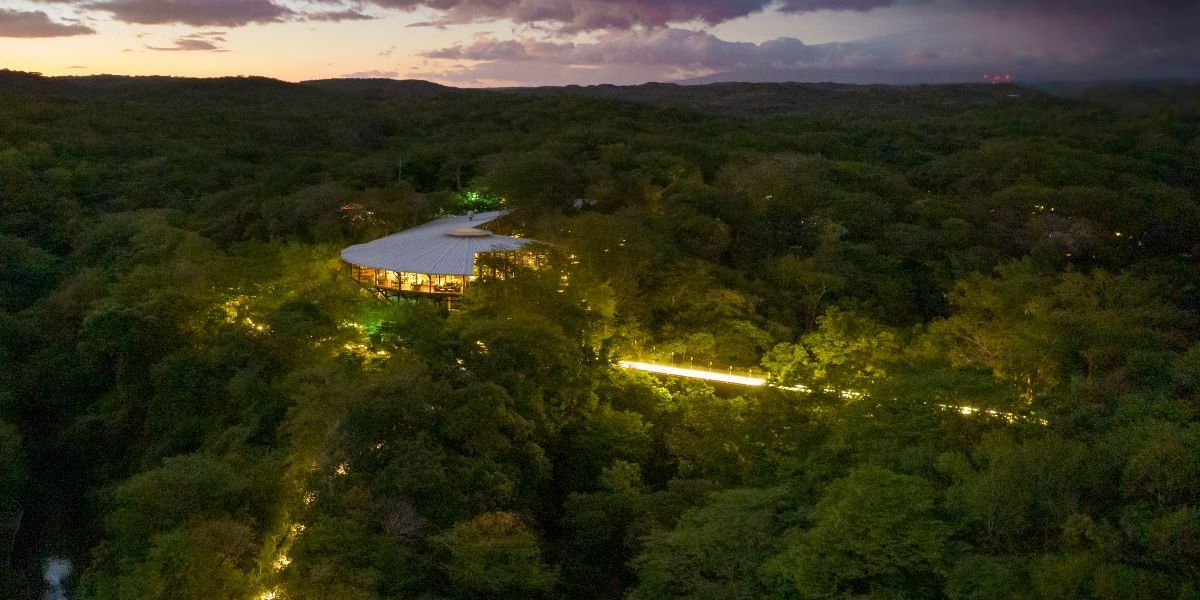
[[692, 373]]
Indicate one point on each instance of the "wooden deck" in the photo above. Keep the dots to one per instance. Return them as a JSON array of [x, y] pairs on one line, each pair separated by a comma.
[[410, 285]]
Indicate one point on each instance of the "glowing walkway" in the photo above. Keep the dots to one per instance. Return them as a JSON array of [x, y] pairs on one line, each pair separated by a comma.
[[693, 373], [720, 377], [966, 411]]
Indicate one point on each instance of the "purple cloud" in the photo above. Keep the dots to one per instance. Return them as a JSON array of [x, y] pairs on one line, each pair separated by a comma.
[[203, 41], [633, 57], [227, 13], [36, 24], [574, 16], [511, 74], [801, 6], [586, 15], [337, 16], [960, 47], [679, 48], [189, 45]]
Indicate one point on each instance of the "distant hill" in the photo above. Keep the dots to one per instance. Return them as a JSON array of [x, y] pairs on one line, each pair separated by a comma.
[[776, 99], [734, 99], [381, 87], [1143, 97], [19, 82], [856, 77]]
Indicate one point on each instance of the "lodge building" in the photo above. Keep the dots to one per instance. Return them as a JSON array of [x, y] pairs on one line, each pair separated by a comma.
[[438, 259]]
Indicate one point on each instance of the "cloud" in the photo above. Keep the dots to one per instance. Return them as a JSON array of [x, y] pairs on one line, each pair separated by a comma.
[[590, 15], [188, 45], [679, 48], [635, 57], [958, 47], [200, 13], [515, 74], [337, 16], [225, 13], [574, 16], [201, 41], [802, 6], [36, 24], [373, 74], [567, 16]]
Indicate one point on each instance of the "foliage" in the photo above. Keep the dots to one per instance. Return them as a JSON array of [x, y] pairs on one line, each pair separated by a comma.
[[874, 533], [714, 551], [495, 555], [989, 294]]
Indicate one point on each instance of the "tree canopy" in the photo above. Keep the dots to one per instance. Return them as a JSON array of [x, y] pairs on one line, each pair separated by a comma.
[[976, 307]]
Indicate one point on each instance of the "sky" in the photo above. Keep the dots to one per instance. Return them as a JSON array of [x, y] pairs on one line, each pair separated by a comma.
[[484, 43]]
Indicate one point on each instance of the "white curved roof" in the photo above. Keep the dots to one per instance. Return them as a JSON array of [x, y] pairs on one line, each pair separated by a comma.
[[442, 247]]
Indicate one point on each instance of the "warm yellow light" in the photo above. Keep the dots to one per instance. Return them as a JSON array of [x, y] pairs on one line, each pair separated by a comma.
[[693, 373], [1008, 417]]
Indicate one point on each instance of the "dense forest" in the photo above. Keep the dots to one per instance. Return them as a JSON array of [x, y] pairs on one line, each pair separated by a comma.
[[989, 292]]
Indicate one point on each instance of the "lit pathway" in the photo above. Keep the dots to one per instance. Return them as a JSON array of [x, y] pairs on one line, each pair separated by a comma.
[[693, 373], [730, 378], [719, 377]]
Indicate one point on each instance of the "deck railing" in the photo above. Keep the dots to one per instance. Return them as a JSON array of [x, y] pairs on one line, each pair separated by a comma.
[[369, 278]]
